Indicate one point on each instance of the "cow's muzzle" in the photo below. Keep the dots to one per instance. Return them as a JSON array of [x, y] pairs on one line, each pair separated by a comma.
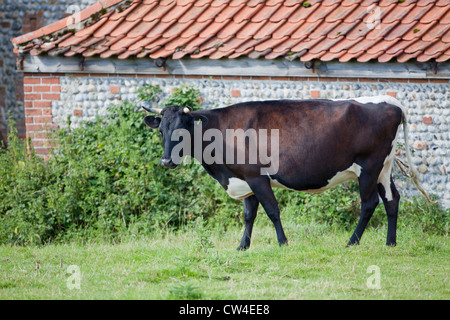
[[168, 163]]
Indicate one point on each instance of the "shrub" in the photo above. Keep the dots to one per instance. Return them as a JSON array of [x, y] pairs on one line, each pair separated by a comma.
[[184, 96], [103, 180]]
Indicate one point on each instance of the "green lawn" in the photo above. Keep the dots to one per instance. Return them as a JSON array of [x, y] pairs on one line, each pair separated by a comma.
[[203, 264]]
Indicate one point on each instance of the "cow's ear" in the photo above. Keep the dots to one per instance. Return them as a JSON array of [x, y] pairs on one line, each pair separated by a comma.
[[200, 119], [152, 121]]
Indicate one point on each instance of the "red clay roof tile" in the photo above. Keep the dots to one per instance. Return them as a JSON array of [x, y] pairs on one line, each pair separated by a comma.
[[306, 29], [286, 29], [416, 13], [418, 30], [398, 13], [250, 29], [283, 13], [141, 29], [302, 13], [158, 12], [265, 13], [247, 12], [330, 29], [140, 12], [321, 13], [328, 56], [323, 29], [340, 13], [434, 14]]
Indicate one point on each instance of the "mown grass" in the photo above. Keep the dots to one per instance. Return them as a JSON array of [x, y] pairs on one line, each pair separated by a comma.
[[199, 263]]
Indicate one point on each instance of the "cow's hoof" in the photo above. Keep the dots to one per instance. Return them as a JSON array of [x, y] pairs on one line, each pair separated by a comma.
[[242, 248], [352, 243]]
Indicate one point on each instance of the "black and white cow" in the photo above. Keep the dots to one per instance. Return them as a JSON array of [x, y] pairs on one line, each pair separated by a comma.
[[318, 144]]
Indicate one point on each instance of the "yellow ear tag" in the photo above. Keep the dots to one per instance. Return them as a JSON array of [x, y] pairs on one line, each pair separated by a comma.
[[199, 121]]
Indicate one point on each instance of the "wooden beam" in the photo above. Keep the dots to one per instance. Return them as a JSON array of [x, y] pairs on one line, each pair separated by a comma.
[[238, 67]]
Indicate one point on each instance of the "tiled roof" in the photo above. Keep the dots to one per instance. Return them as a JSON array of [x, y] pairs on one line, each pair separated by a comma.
[[331, 29]]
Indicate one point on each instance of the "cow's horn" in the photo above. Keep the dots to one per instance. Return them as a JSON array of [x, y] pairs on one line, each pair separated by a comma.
[[187, 110], [152, 110]]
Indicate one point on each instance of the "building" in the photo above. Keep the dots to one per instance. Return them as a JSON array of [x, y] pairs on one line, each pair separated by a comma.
[[233, 50], [18, 17]]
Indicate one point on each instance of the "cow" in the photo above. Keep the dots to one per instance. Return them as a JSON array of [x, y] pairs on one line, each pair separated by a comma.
[[320, 143]]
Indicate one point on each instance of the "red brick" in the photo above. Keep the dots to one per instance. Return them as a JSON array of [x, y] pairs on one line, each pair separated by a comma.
[[42, 151], [43, 119], [114, 89], [33, 112], [31, 80], [47, 112], [78, 113], [38, 135], [418, 80], [231, 78], [56, 88], [365, 80], [33, 96], [27, 88], [41, 88], [51, 96], [35, 127], [39, 143], [392, 94], [42, 104], [50, 80], [427, 120], [235, 93], [315, 94]]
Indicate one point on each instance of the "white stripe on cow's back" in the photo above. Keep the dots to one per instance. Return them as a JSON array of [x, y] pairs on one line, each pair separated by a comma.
[[376, 99]]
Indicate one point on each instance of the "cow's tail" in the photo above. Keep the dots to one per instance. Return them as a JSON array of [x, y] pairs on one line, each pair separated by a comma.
[[413, 173]]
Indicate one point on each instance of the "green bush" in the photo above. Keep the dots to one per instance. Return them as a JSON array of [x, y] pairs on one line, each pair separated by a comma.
[[103, 180]]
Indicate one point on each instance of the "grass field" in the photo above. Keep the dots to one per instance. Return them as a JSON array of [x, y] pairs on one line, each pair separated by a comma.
[[203, 264]]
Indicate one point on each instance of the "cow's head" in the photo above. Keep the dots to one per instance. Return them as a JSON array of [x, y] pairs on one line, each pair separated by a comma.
[[172, 119]]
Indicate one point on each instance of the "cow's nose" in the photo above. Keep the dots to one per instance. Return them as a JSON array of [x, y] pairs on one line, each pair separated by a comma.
[[167, 163]]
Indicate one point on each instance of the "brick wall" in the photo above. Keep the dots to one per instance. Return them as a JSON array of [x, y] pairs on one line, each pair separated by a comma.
[[40, 90]]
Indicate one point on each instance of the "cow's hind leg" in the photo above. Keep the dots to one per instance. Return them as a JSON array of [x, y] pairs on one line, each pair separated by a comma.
[[391, 199], [369, 201], [263, 191], [250, 211]]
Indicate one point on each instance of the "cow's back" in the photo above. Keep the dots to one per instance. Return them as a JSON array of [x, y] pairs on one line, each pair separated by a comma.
[[317, 138]]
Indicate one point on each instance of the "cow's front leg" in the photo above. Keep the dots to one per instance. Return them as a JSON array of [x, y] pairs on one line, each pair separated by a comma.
[[263, 192], [250, 211]]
